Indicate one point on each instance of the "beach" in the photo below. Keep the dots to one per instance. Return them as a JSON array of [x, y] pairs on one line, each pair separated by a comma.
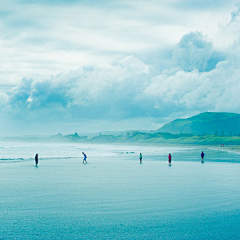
[[115, 197]]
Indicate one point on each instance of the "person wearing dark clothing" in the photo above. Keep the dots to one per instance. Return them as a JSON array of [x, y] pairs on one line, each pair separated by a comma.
[[140, 157], [202, 156], [169, 159], [84, 157], [36, 159]]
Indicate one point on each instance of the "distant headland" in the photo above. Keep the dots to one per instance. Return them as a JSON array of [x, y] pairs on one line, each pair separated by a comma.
[[209, 128]]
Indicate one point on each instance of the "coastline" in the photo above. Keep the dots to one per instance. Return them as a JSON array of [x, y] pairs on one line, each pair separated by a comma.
[[229, 148]]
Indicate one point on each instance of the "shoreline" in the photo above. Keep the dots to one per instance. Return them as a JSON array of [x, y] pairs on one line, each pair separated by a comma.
[[229, 148]]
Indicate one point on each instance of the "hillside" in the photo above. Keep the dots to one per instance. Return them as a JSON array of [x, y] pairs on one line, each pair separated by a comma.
[[210, 128], [136, 137], [217, 123]]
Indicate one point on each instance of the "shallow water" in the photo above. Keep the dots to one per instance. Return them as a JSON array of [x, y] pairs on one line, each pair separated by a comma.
[[114, 197]]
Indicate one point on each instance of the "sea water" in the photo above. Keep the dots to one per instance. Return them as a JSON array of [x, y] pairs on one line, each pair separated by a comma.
[[115, 197]]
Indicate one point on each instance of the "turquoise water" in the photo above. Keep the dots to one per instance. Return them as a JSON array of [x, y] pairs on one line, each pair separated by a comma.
[[114, 197]]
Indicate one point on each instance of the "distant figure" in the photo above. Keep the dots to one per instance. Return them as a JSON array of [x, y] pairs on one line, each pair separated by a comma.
[[169, 159], [84, 157], [202, 156], [36, 159], [140, 158]]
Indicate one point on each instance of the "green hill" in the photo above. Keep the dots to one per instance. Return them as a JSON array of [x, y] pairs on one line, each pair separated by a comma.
[[218, 123]]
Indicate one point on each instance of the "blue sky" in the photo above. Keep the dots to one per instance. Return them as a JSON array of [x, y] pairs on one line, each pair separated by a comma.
[[89, 66]]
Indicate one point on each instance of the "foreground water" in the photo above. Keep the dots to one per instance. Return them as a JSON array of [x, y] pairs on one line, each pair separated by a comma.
[[114, 197]]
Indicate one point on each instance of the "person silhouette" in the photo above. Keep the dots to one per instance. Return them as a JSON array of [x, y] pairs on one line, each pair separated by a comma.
[[202, 156], [140, 158], [84, 157], [36, 159], [169, 159]]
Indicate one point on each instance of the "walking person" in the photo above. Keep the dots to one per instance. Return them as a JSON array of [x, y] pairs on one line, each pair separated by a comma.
[[169, 159], [140, 158], [36, 159], [202, 156], [84, 157]]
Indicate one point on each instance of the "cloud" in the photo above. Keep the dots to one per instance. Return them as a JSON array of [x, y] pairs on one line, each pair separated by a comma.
[[196, 5], [87, 93], [178, 91], [235, 15], [194, 51], [131, 89], [42, 38], [82, 69]]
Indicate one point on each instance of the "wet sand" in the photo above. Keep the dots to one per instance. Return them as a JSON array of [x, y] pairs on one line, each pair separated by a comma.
[[117, 198]]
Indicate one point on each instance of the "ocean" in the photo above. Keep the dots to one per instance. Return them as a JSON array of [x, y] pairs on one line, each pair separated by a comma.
[[115, 197]]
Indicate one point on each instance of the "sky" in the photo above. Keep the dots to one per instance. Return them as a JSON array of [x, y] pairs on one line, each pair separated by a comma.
[[89, 66]]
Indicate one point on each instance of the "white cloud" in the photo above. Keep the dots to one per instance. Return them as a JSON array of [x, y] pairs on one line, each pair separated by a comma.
[[126, 90], [215, 90], [195, 51], [85, 93], [40, 39], [91, 54]]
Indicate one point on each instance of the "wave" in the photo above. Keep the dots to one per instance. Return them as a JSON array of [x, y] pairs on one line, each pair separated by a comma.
[[55, 158], [32, 159], [12, 159]]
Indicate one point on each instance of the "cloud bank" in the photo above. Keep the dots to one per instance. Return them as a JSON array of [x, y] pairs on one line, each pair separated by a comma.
[[115, 65], [200, 79], [41, 38]]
